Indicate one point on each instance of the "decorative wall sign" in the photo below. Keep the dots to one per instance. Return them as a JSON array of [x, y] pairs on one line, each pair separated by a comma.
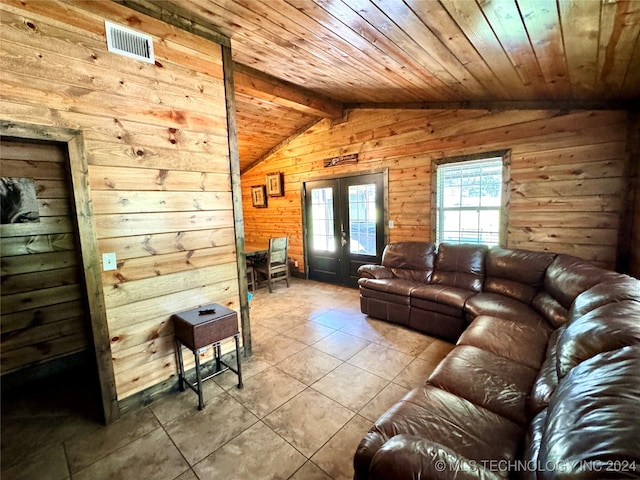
[[258, 196], [343, 160], [18, 202], [275, 185]]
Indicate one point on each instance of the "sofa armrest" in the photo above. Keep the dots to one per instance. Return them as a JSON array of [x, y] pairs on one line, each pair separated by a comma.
[[409, 457], [374, 271]]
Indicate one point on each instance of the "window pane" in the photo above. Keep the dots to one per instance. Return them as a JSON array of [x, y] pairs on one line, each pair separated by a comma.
[[469, 201], [490, 226], [362, 219], [322, 220]]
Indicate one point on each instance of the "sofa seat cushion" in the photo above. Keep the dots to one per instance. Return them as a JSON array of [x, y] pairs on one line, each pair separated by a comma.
[[524, 341], [497, 305], [429, 297], [487, 380], [408, 457], [397, 286], [472, 432], [392, 286], [593, 416]]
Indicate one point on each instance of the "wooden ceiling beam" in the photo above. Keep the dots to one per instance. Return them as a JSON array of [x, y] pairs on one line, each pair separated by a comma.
[[504, 105], [254, 83]]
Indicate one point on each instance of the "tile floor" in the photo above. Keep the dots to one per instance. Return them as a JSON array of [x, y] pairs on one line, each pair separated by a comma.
[[320, 375]]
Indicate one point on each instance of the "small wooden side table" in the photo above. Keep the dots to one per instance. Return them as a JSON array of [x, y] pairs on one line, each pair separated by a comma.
[[200, 328]]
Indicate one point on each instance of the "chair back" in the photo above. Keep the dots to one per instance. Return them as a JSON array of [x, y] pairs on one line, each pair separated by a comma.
[[278, 250]]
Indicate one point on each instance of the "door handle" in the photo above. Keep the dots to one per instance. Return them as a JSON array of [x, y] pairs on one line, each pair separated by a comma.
[[343, 240]]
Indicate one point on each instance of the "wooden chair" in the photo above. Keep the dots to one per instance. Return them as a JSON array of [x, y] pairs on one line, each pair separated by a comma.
[[277, 266], [251, 277]]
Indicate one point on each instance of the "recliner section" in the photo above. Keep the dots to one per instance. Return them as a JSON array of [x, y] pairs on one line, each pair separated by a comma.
[[543, 382]]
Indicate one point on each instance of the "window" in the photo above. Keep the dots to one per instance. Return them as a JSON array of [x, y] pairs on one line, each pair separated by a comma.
[[469, 200], [362, 219], [323, 229]]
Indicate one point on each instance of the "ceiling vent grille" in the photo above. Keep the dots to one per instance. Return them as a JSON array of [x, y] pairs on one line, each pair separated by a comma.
[[127, 42]]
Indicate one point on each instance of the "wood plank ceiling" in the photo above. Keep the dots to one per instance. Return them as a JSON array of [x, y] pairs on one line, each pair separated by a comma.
[[320, 56]]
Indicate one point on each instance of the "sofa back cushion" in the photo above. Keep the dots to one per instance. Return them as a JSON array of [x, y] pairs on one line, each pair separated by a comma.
[[591, 426], [410, 260], [616, 290], [460, 266], [517, 274], [567, 277], [603, 329]]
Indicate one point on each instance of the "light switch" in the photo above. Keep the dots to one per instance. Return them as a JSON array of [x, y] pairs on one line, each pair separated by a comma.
[[391, 224], [109, 261]]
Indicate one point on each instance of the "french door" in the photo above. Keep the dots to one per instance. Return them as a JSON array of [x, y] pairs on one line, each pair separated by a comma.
[[344, 226]]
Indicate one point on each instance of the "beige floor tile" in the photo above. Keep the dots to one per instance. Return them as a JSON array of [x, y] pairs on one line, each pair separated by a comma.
[[341, 345], [407, 341], [308, 365], [260, 333], [188, 475], [266, 391], [383, 401], [250, 366], [350, 386], [381, 361], [277, 348], [178, 403], [368, 328], [258, 453], [308, 420], [83, 451], [436, 351], [415, 374], [336, 319], [50, 464], [309, 471], [336, 456], [26, 437], [200, 432], [152, 456], [309, 333]]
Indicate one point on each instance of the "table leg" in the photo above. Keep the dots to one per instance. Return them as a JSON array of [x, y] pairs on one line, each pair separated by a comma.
[[217, 350], [237, 339], [180, 366], [198, 380]]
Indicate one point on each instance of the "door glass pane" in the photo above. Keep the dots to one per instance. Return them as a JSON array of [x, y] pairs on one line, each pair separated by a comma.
[[322, 220], [362, 219]]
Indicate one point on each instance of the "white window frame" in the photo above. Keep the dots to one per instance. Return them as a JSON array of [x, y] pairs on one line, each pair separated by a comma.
[[437, 210]]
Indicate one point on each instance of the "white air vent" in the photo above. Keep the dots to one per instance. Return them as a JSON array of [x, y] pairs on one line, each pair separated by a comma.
[[127, 42]]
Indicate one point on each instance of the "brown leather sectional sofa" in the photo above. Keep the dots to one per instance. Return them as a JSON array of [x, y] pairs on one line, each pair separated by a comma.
[[544, 381]]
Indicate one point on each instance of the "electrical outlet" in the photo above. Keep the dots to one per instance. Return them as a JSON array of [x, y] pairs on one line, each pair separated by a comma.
[[109, 261], [391, 224]]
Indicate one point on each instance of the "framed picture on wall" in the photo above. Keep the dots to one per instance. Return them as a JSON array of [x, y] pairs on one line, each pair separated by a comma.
[[275, 186], [258, 196]]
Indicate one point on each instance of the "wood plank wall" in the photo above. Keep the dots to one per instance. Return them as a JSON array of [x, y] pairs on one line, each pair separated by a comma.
[[43, 308], [157, 148], [566, 185]]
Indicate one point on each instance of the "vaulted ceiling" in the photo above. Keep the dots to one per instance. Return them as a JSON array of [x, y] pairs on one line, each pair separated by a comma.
[[302, 60]]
